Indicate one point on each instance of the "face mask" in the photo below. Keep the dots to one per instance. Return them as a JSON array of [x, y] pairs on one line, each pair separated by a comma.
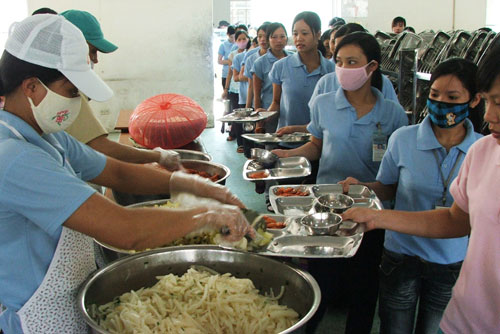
[[447, 115], [352, 78], [242, 44], [55, 112]]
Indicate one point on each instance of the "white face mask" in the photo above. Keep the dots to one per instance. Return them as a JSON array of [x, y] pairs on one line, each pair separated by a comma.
[[55, 112]]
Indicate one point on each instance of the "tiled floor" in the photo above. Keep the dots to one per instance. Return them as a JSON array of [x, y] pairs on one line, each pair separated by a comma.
[[224, 152]]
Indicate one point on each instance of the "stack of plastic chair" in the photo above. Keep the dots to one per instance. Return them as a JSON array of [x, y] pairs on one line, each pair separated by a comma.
[[473, 45], [432, 51]]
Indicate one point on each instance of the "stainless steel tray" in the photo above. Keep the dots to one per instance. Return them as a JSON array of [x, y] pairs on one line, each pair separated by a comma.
[[285, 168], [272, 138], [239, 119]]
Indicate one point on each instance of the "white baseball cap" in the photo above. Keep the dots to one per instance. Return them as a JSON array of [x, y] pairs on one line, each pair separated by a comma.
[[52, 41]]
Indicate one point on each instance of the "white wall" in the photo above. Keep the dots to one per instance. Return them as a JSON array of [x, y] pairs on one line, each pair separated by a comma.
[[165, 46], [426, 14], [221, 11]]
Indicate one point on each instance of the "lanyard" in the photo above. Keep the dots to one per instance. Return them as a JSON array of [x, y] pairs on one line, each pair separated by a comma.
[[447, 181]]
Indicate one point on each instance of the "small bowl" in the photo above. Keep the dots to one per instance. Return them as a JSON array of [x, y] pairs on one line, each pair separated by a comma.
[[264, 157], [321, 223], [334, 203], [242, 112]]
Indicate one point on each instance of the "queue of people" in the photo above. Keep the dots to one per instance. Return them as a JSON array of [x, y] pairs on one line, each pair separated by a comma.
[[360, 136]]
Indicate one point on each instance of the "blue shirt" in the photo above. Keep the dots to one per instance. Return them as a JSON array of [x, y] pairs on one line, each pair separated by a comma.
[[249, 53], [410, 163], [41, 186], [347, 141], [330, 83], [224, 50], [261, 68], [243, 86], [249, 61], [297, 86]]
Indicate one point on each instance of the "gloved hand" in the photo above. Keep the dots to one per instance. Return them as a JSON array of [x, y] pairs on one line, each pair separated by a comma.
[[200, 186], [169, 159], [225, 218]]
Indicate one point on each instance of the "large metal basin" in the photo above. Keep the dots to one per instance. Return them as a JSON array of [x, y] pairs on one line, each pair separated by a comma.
[[125, 199], [302, 293], [193, 155]]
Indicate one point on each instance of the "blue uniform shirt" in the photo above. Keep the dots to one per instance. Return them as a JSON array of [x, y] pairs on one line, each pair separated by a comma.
[[41, 186], [249, 61], [249, 53], [410, 163], [243, 87], [330, 83], [297, 86], [261, 68], [224, 50], [347, 141]]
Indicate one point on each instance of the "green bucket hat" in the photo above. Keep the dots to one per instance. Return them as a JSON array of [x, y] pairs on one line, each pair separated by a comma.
[[90, 28]]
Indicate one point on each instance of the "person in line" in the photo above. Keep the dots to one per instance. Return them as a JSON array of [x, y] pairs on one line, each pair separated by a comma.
[[325, 40], [87, 128], [330, 82], [343, 125], [336, 21], [48, 214], [398, 24], [224, 51], [250, 58], [420, 163], [475, 300], [331, 37], [295, 77], [243, 43]]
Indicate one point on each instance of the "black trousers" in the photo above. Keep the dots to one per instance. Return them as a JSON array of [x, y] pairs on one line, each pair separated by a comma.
[[352, 282]]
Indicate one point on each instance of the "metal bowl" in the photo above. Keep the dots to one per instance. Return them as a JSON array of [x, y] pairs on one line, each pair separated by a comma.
[[334, 203], [264, 157], [193, 155], [302, 293], [242, 112], [321, 223], [210, 167]]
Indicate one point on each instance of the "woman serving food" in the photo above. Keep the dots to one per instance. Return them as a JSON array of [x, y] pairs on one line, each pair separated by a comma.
[[48, 214]]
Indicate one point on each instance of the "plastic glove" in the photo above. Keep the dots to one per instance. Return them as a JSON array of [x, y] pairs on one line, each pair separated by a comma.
[[200, 186], [169, 159], [225, 218]]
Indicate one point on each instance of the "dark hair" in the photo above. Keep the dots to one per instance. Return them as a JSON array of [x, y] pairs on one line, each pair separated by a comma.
[[349, 28], [44, 10], [489, 69], [271, 28], [230, 30], [255, 40], [335, 29], [263, 27], [399, 19], [370, 48], [336, 20], [465, 71], [325, 35], [242, 26], [240, 32], [410, 29], [311, 19], [13, 71]]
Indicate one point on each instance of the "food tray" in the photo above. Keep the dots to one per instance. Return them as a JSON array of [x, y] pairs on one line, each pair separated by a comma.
[[285, 168], [272, 138], [238, 119]]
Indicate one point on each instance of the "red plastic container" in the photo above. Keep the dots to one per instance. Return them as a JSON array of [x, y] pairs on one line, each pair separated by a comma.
[[167, 121]]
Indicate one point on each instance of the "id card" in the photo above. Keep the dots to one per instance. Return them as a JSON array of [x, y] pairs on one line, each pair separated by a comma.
[[379, 144]]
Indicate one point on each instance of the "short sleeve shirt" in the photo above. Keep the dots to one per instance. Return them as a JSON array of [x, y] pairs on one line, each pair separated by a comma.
[[243, 85], [42, 181], [261, 68], [297, 86], [330, 83], [410, 163], [86, 127], [347, 141], [224, 50], [475, 303], [234, 86]]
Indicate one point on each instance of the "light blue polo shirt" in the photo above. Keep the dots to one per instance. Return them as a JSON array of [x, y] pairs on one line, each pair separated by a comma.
[[410, 163], [297, 86], [249, 53], [330, 83], [224, 50], [261, 68], [347, 141], [41, 186], [249, 61], [243, 86]]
